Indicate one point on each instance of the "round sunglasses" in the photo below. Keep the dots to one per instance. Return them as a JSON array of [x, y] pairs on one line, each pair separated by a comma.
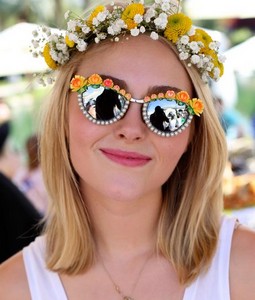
[[103, 103]]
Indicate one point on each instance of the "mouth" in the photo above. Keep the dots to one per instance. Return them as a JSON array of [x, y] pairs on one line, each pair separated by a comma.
[[126, 158]]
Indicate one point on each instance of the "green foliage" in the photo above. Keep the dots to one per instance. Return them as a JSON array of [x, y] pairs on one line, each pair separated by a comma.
[[240, 35], [246, 96], [25, 107]]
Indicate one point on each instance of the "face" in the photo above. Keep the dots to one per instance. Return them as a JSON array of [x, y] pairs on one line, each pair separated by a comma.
[[125, 161]]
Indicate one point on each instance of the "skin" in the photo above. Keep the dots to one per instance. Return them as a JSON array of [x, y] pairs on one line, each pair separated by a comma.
[[101, 178], [123, 201]]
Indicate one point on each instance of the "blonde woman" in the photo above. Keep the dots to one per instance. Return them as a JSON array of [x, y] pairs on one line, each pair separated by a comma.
[[136, 211]]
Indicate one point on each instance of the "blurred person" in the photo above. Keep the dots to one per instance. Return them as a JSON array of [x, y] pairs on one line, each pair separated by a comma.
[[18, 217], [9, 159], [19, 220], [30, 180], [231, 120], [233, 125]]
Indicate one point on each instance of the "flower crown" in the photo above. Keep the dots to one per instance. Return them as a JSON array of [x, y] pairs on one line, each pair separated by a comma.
[[162, 18]]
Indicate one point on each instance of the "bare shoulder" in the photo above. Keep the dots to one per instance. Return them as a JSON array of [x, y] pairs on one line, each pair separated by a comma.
[[242, 264], [13, 279]]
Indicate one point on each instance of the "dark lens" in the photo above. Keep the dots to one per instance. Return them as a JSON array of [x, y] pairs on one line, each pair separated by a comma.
[[166, 117], [102, 105]]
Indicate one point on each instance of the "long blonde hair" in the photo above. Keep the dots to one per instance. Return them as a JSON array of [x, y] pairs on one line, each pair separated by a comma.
[[192, 197], [193, 200]]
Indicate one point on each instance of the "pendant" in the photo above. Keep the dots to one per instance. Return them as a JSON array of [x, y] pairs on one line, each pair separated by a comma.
[[127, 298]]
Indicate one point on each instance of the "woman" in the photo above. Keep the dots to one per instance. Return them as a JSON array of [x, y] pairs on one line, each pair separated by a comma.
[[136, 211]]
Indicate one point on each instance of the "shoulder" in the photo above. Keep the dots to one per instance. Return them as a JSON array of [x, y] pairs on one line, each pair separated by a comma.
[[242, 264], [13, 279]]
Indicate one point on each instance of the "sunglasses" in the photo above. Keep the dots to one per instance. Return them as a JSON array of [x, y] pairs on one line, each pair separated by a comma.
[[103, 103]]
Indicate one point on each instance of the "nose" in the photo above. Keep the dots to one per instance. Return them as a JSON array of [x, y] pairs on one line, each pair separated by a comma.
[[131, 127]]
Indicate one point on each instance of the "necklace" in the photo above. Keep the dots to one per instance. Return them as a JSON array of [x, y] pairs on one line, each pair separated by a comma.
[[117, 287]]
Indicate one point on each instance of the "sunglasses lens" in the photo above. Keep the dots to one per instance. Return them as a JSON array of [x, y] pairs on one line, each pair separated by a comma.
[[102, 105], [166, 117]]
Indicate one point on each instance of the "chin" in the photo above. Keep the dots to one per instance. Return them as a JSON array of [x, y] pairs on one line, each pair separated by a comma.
[[124, 196]]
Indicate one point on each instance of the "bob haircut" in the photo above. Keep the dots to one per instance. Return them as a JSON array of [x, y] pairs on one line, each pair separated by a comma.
[[189, 223]]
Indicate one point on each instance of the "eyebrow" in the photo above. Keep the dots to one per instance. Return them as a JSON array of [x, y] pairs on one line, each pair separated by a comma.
[[162, 88], [152, 90]]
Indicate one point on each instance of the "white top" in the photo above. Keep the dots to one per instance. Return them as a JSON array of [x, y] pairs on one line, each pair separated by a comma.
[[214, 284]]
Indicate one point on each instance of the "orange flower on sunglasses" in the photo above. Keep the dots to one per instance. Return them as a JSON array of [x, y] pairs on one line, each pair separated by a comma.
[[95, 79], [183, 96], [77, 83]]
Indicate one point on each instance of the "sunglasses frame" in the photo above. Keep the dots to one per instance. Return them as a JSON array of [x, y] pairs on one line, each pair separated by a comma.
[[193, 106], [144, 115]]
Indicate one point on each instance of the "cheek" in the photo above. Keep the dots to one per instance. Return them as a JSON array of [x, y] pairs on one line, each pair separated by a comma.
[[75, 122], [77, 131], [173, 149], [80, 128], [83, 135]]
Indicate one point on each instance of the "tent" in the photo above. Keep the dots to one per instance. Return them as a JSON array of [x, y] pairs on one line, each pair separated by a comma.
[[241, 57], [15, 57], [218, 9]]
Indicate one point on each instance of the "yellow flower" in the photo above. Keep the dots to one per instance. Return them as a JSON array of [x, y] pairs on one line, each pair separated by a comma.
[[93, 15], [69, 43], [129, 13], [207, 51], [77, 83], [219, 65], [128, 96], [215, 61], [197, 105], [201, 36], [95, 79], [177, 25], [47, 57]]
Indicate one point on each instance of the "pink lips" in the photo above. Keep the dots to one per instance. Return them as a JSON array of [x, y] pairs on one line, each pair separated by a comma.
[[130, 159]]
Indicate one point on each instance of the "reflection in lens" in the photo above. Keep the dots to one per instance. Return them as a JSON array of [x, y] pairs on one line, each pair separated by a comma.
[[166, 116], [159, 119], [108, 105], [103, 105]]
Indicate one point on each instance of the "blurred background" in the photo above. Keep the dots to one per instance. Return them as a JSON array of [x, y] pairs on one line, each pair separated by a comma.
[[232, 22]]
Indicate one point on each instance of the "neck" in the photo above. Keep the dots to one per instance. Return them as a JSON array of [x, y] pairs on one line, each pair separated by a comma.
[[125, 227]]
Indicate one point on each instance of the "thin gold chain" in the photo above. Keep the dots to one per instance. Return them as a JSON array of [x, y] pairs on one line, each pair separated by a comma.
[[117, 287]]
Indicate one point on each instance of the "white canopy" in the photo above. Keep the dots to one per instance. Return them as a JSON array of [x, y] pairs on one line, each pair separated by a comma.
[[217, 9], [241, 57], [15, 57]]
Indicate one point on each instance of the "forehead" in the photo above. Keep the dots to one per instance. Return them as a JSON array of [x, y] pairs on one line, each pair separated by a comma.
[[138, 61]]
